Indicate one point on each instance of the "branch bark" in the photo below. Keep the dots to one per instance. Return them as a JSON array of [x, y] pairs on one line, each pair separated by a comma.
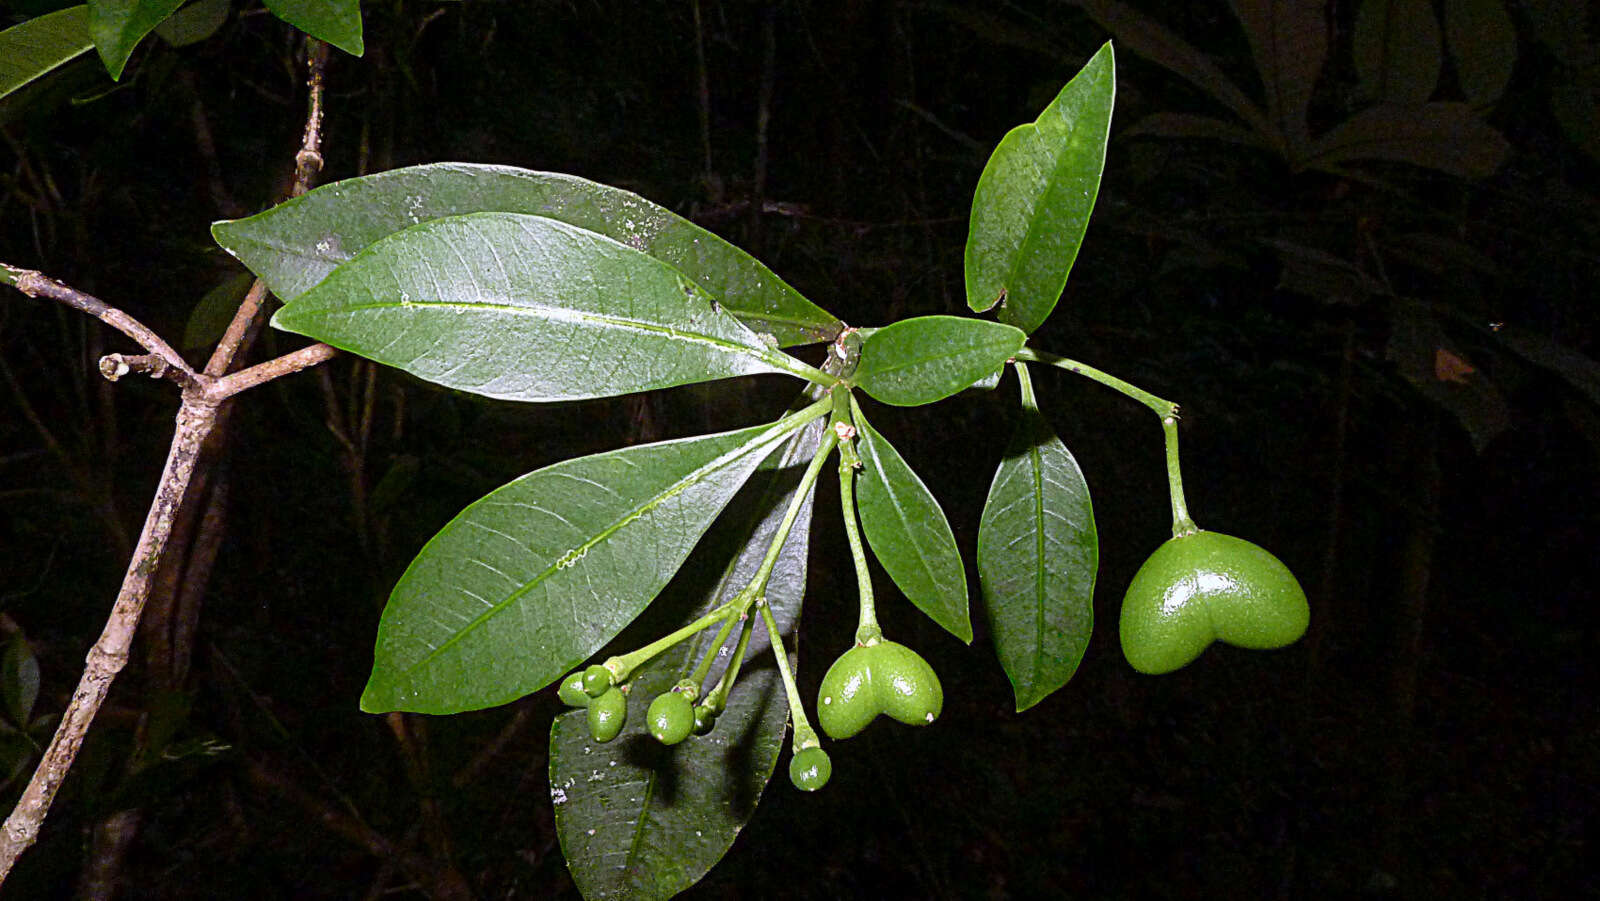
[[196, 417]]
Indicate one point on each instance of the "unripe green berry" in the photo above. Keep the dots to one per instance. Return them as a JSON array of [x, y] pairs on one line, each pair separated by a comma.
[[1207, 587], [671, 717], [607, 713], [571, 691], [705, 719], [809, 769], [867, 680], [596, 679]]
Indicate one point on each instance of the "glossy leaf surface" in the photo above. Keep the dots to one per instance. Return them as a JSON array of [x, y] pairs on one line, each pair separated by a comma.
[[534, 577], [1034, 199], [336, 21], [926, 359], [296, 244], [1038, 553], [117, 26], [908, 532], [639, 820], [40, 47], [522, 307]]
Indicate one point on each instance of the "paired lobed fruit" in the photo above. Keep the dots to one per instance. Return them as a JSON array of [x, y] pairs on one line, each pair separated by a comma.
[[1205, 587], [867, 680]]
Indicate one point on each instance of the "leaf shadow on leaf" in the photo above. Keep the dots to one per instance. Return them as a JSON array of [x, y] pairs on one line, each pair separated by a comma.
[[638, 819]]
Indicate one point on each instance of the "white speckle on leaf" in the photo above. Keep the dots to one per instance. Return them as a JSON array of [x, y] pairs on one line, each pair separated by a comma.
[[558, 796]]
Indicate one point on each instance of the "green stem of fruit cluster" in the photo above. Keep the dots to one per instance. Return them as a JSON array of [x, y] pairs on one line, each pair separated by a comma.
[[868, 632], [622, 667], [1165, 409], [804, 735], [717, 698], [738, 608], [1182, 524], [758, 584]]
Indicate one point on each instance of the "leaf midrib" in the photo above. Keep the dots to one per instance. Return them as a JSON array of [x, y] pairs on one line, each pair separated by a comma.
[[778, 432]]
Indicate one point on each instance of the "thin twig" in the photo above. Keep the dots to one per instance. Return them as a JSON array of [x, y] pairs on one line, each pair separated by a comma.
[[307, 165], [37, 284], [278, 367]]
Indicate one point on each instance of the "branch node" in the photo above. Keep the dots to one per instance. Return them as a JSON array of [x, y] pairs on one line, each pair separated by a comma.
[[115, 366]]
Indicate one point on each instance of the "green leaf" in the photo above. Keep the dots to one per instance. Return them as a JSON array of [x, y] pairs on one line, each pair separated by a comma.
[[537, 575], [195, 22], [1448, 137], [1037, 557], [336, 21], [908, 532], [1398, 50], [1150, 39], [117, 26], [214, 311], [40, 47], [1289, 42], [1444, 374], [296, 244], [640, 820], [19, 680], [1186, 125], [1034, 198], [521, 307], [1483, 46], [928, 358]]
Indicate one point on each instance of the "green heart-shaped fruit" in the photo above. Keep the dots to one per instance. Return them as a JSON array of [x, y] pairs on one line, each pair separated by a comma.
[[1208, 587], [867, 680], [809, 769], [607, 713], [671, 717]]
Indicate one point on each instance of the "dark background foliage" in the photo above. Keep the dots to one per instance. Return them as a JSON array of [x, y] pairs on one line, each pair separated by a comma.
[[1433, 736]]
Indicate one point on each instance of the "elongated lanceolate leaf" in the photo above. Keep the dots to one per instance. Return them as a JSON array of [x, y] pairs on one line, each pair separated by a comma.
[[1037, 557], [537, 575], [1398, 50], [908, 532], [1449, 137], [296, 244], [639, 820], [336, 21], [40, 47], [928, 358], [117, 26], [1483, 46], [1033, 201], [522, 307]]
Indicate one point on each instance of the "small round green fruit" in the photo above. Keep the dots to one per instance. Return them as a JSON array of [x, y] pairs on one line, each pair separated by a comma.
[[607, 713], [596, 680], [810, 769], [571, 691], [1205, 587], [671, 717]]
